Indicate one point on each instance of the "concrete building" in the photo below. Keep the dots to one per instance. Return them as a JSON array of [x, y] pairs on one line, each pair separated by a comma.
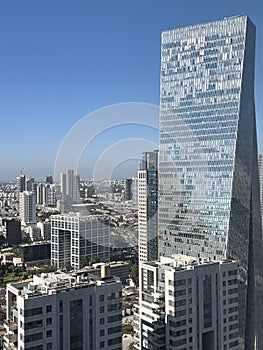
[[185, 304], [148, 206], [209, 204], [74, 237], [27, 208], [64, 311]]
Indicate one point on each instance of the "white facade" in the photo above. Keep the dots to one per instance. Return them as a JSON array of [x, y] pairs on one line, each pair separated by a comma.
[[64, 311], [27, 207], [187, 305], [74, 237]]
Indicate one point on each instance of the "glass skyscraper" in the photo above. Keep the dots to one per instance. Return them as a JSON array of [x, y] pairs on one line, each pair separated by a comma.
[[208, 164]]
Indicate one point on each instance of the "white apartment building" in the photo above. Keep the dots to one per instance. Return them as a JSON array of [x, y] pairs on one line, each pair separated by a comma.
[[75, 236], [187, 305], [27, 207], [61, 311]]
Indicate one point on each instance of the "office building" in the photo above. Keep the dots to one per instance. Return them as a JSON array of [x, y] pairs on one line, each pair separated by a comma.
[[27, 208], [260, 169], [74, 237], [35, 252], [64, 311], [186, 304], [12, 231], [148, 206], [208, 167]]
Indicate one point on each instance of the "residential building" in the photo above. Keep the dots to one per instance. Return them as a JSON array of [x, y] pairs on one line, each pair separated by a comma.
[[148, 206], [75, 236], [27, 208], [64, 311], [186, 304], [208, 164]]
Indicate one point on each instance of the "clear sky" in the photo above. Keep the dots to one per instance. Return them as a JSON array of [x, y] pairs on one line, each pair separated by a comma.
[[63, 59]]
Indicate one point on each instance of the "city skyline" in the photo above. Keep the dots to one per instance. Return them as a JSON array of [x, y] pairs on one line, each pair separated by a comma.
[[53, 75]]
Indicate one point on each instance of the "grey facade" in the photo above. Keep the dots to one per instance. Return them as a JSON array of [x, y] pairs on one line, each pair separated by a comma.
[[209, 203]]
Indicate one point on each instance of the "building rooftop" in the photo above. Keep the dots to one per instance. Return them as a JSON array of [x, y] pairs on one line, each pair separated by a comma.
[[56, 282]]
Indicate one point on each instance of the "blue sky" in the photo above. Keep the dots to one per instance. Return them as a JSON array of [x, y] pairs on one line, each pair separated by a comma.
[[61, 60]]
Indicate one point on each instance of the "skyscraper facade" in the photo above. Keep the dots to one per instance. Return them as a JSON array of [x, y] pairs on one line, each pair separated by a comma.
[[208, 167], [260, 169], [148, 206]]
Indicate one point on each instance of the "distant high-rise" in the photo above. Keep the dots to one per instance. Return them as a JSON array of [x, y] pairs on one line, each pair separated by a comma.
[[49, 179], [21, 183], [209, 203], [30, 184], [148, 206], [75, 237], [27, 208], [70, 185]]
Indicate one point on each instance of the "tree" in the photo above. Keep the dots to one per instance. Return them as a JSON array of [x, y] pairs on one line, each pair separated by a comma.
[[135, 274]]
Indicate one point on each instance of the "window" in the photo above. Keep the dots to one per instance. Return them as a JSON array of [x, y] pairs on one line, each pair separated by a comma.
[[49, 346], [49, 333], [49, 308], [49, 321]]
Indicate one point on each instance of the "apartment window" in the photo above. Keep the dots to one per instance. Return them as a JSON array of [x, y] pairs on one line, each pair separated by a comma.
[[49, 308], [49, 321], [49, 333], [101, 298], [102, 332], [102, 344], [102, 321], [49, 346], [102, 309]]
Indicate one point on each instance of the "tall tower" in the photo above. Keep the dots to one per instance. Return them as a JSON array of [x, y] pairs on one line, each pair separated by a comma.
[[148, 206], [208, 168]]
